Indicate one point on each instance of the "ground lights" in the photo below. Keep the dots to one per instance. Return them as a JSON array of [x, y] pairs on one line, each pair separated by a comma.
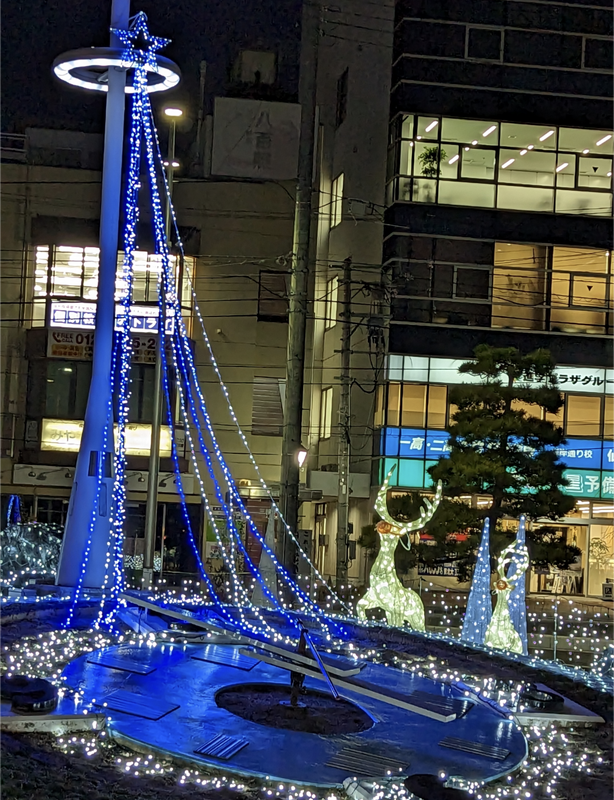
[[554, 755]]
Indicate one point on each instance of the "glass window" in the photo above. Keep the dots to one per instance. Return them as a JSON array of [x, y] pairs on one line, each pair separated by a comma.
[[534, 168], [600, 557], [331, 303], [67, 272], [598, 204], [583, 415], [519, 286], [608, 417], [407, 127], [530, 409], [478, 163], [407, 151], [594, 173], [140, 405], [413, 413], [525, 198], [470, 131], [576, 140], [336, 207], [462, 193], [579, 281], [538, 137], [450, 158], [68, 385], [394, 404], [342, 98], [424, 191], [326, 413], [436, 413], [378, 414], [411, 473], [272, 296], [428, 128], [473, 283], [566, 171]]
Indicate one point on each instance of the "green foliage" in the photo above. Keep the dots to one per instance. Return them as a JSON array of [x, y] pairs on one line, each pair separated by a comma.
[[430, 159], [499, 449]]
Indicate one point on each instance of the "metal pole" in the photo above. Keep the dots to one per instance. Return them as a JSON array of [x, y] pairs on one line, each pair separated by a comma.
[[151, 509], [343, 495], [297, 318], [96, 451]]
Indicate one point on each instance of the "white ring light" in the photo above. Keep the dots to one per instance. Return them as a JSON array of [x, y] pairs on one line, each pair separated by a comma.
[[82, 68]]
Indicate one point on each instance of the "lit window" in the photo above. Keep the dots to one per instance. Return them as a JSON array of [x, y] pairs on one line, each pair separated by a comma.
[[326, 413], [336, 206], [331, 303]]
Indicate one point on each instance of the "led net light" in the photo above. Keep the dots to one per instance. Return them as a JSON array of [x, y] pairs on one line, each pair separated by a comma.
[[29, 550], [401, 604], [501, 632], [479, 604]]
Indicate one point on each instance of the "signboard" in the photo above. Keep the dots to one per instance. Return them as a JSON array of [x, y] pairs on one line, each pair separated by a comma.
[[65, 436], [255, 139], [582, 453], [79, 346], [446, 570], [592, 380], [70, 344], [589, 483], [82, 316]]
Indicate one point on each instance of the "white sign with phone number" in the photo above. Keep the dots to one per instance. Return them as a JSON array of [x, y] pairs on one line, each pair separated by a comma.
[[79, 345]]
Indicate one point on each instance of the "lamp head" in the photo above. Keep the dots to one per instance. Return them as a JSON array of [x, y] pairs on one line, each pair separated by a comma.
[[173, 112], [301, 456]]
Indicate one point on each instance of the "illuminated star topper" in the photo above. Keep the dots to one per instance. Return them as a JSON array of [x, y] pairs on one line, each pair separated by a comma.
[[146, 53]]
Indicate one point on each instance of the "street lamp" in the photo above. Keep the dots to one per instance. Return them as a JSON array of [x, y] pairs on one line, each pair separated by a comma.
[[301, 456], [151, 509]]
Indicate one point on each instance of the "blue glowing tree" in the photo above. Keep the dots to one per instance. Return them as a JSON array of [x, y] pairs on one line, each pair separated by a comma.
[[479, 605]]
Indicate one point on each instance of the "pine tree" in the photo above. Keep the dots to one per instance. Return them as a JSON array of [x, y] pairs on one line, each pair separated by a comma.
[[503, 445]]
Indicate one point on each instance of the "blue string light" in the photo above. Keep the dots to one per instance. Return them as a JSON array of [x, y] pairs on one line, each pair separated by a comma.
[[192, 402], [233, 415], [479, 604]]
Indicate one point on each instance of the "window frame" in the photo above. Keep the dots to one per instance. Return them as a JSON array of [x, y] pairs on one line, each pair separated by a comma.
[[342, 98], [336, 200], [326, 414], [330, 303], [501, 33], [273, 296]]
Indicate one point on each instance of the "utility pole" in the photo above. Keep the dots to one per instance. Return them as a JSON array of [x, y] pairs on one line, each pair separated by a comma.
[[151, 509], [297, 317], [343, 497]]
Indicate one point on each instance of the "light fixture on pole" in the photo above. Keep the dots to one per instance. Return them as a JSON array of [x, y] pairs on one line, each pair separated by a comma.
[[301, 456], [151, 508]]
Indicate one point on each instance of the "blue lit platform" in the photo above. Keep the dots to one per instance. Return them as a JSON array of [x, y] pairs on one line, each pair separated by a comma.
[[162, 699]]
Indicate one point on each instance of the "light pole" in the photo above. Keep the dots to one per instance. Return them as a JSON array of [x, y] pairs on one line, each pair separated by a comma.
[[151, 509]]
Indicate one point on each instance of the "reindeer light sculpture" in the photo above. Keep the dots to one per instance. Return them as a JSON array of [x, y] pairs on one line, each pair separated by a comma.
[[402, 605], [501, 632]]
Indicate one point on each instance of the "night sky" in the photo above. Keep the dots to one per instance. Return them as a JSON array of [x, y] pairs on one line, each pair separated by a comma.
[[34, 32]]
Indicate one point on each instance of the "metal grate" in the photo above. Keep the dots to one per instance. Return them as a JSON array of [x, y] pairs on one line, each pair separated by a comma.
[[437, 702], [137, 705], [226, 656], [475, 748], [123, 664], [222, 747], [365, 763]]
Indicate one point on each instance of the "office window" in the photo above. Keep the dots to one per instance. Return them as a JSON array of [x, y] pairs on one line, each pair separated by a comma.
[[330, 314], [581, 289], [336, 205], [512, 166], [142, 388], [326, 413], [378, 414], [583, 415], [272, 296], [484, 44], [437, 406], [68, 385], [519, 286], [608, 417], [342, 98], [472, 283], [413, 409]]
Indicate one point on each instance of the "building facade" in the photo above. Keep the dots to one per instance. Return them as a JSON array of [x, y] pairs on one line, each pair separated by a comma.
[[498, 231]]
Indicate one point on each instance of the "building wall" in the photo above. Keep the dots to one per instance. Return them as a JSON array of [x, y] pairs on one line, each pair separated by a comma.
[[352, 143], [500, 239]]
